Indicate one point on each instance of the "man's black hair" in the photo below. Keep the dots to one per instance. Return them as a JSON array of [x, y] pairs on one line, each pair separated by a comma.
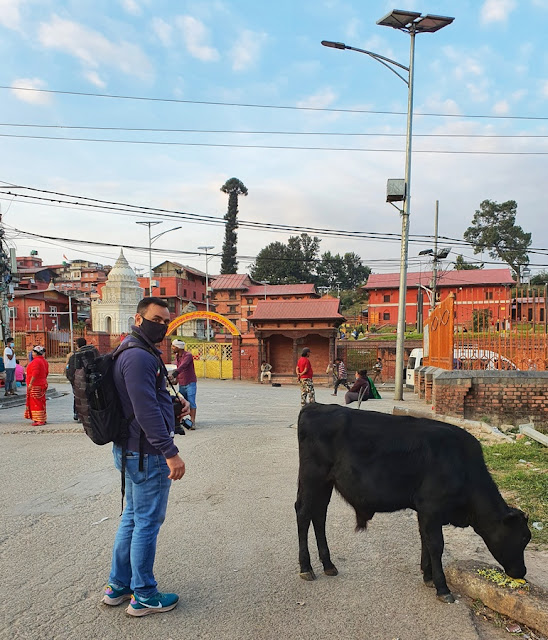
[[81, 342], [362, 373], [145, 303], [305, 352]]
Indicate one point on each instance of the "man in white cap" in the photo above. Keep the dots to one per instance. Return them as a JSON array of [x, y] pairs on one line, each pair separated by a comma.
[[185, 375]]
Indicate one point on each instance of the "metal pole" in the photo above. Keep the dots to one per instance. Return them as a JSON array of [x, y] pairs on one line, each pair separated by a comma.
[[435, 261], [207, 300], [400, 338], [149, 260], [70, 324]]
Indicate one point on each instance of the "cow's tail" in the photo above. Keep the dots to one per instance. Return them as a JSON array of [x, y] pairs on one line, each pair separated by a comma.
[[362, 518]]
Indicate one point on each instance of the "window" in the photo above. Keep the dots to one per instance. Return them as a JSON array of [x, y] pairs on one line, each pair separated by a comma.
[[249, 312], [232, 308], [171, 305], [386, 315], [232, 295], [33, 312], [53, 311], [386, 297], [184, 293], [162, 291], [147, 292], [203, 296], [249, 300], [13, 312], [194, 295], [488, 295]]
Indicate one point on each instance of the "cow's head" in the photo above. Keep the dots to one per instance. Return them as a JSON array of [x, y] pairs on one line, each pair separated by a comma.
[[507, 541]]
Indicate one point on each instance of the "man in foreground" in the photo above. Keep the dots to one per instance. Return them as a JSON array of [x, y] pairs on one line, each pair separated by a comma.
[[141, 384]]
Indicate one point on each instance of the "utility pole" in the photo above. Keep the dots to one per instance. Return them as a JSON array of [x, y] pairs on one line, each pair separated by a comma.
[[435, 260], [5, 279]]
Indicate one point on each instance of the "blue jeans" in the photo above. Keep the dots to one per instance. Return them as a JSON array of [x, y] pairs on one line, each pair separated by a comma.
[[189, 393], [134, 550], [10, 380]]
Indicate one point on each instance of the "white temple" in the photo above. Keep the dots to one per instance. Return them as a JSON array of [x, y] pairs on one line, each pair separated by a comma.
[[115, 311]]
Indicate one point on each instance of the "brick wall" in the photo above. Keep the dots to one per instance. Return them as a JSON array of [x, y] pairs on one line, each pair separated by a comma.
[[249, 360], [510, 397]]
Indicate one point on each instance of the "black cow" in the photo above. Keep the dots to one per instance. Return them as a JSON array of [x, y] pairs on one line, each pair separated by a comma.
[[380, 462]]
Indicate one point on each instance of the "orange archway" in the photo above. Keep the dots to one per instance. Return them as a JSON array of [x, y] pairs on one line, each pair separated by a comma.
[[203, 315]]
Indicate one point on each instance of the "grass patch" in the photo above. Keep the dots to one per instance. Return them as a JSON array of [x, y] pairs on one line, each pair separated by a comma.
[[523, 484]]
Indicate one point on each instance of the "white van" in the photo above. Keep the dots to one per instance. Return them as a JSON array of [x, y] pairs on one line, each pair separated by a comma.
[[463, 358]]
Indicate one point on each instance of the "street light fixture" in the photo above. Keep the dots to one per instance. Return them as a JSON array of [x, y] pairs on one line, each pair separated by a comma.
[[206, 249], [412, 23], [151, 239], [265, 282]]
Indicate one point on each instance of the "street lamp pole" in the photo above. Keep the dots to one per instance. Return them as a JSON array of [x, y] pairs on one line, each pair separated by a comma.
[[410, 22], [150, 224], [206, 249], [265, 282]]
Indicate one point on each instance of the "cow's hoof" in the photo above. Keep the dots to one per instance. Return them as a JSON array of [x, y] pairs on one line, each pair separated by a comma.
[[429, 583], [447, 598], [308, 575], [331, 572]]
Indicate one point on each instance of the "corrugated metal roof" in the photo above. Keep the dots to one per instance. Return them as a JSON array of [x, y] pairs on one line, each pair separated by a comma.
[[322, 309], [472, 277], [281, 289], [231, 281]]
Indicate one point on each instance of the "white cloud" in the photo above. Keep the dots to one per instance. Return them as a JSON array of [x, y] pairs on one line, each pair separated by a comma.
[[196, 39], [247, 49], [545, 89], [10, 16], [95, 79], [319, 100], [497, 10], [163, 30], [92, 48], [501, 107], [131, 6], [32, 97]]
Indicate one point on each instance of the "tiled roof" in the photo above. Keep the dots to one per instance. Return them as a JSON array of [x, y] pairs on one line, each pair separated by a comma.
[[282, 289], [322, 309], [231, 281], [472, 277]]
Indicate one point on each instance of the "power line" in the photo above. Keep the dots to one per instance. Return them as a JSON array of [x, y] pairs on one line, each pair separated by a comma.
[[265, 106], [270, 132], [277, 147]]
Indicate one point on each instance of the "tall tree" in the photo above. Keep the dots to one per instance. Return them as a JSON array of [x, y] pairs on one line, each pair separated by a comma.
[[540, 278], [461, 265], [234, 188], [289, 263], [356, 273], [494, 230]]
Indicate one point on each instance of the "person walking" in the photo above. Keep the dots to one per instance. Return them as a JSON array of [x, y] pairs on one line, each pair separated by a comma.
[[152, 463], [360, 386], [305, 376], [377, 371], [185, 375], [266, 371], [342, 376], [9, 366], [37, 385]]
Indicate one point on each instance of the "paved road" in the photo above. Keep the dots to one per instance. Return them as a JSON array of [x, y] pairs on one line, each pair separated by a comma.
[[228, 546]]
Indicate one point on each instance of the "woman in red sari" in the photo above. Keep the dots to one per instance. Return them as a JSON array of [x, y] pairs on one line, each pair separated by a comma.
[[37, 384]]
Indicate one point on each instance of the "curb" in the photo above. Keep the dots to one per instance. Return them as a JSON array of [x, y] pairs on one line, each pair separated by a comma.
[[528, 606], [21, 399]]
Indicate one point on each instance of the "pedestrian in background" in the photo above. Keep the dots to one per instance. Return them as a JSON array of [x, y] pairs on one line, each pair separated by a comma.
[[266, 371], [9, 366], [377, 371], [305, 376], [37, 385], [342, 376], [360, 386], [185, 375]]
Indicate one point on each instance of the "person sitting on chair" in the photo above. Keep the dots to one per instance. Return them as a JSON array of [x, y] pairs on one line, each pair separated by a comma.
[[362, 382], [266, 371]]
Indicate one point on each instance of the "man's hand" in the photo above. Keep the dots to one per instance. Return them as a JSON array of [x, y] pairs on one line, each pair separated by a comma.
[[185, 404], [176, 467]]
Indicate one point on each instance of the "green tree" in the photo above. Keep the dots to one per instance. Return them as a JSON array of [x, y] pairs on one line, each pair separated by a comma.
[[540, 279], [289, 263], [234, 188], [355, 272], [481, 319], [494, 230], [461, 265]]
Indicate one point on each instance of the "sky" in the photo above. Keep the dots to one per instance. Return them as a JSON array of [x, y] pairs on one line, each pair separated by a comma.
[[480, 126]]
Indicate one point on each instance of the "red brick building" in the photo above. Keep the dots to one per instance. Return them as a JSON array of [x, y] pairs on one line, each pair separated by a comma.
[[284, 327], [40, 309], [488, 289], [236, 296]]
